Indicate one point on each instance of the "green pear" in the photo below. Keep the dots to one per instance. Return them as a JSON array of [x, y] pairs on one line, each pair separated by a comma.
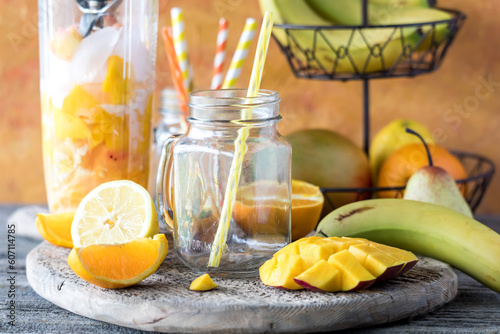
[[432, 184]]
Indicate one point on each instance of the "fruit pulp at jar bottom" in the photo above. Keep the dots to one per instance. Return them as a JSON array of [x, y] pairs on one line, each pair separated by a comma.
[[241, 258], [92, 139], [255, 234]]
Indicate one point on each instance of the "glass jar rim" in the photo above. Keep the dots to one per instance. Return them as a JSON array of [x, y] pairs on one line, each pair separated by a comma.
[[230, 98], [232, 105]]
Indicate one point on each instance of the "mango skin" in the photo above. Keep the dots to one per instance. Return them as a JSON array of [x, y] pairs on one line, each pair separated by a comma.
[[330, 160]]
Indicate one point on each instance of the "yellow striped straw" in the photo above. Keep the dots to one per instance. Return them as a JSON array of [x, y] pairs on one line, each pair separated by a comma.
[[240, 54], [240, 144], [180, 45]]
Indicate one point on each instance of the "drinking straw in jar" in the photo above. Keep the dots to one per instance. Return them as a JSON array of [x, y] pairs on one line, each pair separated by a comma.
[[175, 70], [240, 54], [240, 144], [220, 55], [181, 49]]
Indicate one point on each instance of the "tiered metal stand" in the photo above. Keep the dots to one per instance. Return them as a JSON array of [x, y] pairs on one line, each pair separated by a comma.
[[421, 56]]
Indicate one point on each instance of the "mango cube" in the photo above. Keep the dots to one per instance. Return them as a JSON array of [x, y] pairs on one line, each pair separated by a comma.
[[344, 243], [378, 263], [203, 283], [312, 251], [281, 270], [322, 277], [408, 257], [353, 275]]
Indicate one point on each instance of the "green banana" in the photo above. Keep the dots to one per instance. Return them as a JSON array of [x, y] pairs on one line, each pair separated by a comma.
[[348, 12], [358, 57], [401, 3], [423, 228]]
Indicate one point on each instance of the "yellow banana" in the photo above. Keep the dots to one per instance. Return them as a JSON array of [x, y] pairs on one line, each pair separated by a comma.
[[423, 228], [331, 45]]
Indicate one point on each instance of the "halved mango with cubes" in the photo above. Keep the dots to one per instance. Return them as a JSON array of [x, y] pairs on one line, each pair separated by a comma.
[[334, 264]]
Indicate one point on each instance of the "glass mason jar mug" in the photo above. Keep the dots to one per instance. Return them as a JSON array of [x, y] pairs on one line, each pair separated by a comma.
[[97, 66], [224, 187]]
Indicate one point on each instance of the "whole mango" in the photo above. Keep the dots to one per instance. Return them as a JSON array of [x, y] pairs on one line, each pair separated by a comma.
[[329, 160]]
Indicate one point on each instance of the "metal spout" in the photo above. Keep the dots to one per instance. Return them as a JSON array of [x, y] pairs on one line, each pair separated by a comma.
[[93, 13]]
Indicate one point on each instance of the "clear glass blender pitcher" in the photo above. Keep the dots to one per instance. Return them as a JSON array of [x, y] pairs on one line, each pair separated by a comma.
[[97, 68], [193, 177]]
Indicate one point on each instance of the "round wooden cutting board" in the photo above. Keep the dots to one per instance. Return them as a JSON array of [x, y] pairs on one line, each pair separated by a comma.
[[164, 303]]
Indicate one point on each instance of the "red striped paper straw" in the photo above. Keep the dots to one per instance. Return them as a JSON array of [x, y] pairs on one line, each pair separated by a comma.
[[175, 70], [220, 55]]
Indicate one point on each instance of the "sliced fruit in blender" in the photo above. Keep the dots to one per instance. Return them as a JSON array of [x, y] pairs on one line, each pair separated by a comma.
[[118, 80], [69, 126], [65, 43], [79, 102]]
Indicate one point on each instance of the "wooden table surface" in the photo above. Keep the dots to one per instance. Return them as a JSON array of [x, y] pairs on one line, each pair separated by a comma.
[[476, 309]]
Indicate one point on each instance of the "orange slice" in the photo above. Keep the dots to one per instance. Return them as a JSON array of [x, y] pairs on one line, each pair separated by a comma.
[[261, 208], [119, 265], [56, 228], [307, 203]]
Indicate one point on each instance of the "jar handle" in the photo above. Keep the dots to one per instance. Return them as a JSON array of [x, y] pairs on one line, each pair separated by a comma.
[[163, 187]]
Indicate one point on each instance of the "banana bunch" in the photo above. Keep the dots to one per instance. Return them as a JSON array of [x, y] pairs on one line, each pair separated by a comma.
[[353, 50], [428, 229], [380, 12]]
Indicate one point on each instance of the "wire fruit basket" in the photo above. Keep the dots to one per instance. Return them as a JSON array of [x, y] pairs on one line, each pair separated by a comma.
[[480, 171], [368, 52]]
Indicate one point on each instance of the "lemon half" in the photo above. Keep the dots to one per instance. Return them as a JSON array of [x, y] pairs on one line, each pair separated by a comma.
[[114, 212]]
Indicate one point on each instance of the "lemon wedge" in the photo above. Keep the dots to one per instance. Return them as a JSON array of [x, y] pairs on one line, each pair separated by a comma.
[[114, 212]]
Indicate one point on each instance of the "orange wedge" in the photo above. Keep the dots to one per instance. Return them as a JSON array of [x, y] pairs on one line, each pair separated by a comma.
[[56, 228], [119, 265], [307, 203], [262, 208]]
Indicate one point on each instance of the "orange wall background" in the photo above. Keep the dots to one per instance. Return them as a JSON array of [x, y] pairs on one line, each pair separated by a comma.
[[431, 99]]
